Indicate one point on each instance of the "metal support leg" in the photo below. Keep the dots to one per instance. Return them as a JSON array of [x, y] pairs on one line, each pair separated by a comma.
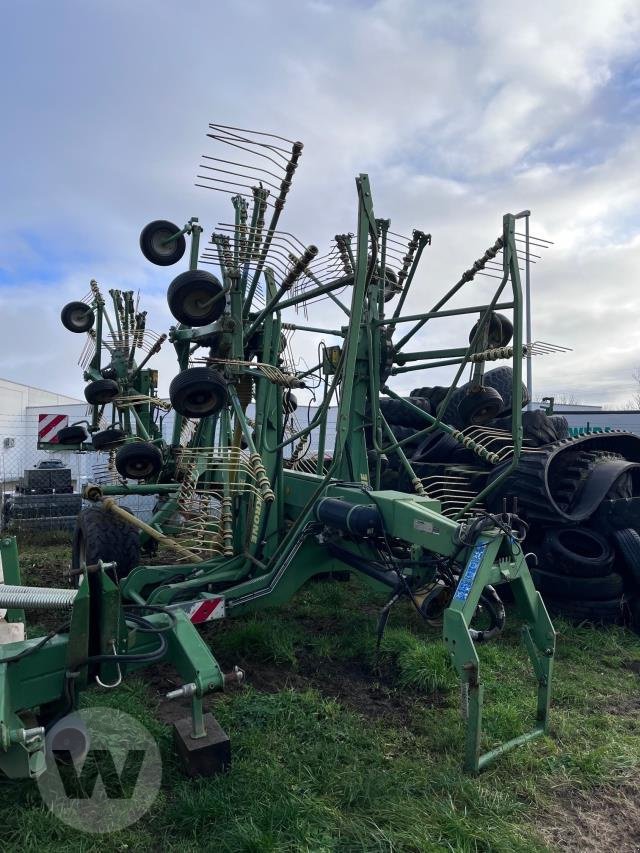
[[538, 638]]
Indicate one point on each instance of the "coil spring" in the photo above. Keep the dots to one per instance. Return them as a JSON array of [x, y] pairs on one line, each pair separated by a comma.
[[478, 449], [260, 201], [493, 354], [262, 480], [36, 597]]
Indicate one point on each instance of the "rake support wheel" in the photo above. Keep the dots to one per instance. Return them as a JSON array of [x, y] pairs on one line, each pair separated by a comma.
[[139, 460], [108, 438], [157, 244], [191, 298], [72, 435], [198, 392], [77, 317], [101, 391]]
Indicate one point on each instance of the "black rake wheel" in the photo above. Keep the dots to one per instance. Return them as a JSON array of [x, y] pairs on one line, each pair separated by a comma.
[[159, 243], [108, 438], [195, 298], [138, 460], [72, 435], [101, 391], [500, 331], [198, 392], [77, 317]]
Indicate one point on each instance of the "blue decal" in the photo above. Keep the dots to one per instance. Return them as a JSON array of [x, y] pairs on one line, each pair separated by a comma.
[[467, 579]]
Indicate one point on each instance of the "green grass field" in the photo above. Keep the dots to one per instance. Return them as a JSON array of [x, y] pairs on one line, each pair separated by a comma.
[[338, 749]]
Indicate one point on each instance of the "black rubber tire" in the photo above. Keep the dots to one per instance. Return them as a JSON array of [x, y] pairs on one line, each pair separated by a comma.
[[540, 479], [101, 391], [138, 460], [289, 402], [77, 317], [108, 438], [435, 447], [537, 428], [439, 447], [435, 395], [152, 239], [450, 415], [72, 435], [560, 425], [396, 413], [402, 432], [187, 293], [501, 378], [479, 405], [500, 330], [576, 551], [627, 543], [610, 612], [585, 589], [391, 288], [109, 372], [198, 392], [100, 535]]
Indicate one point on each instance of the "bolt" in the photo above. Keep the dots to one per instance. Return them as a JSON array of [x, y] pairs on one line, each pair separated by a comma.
[[182, 692], [234, 677]]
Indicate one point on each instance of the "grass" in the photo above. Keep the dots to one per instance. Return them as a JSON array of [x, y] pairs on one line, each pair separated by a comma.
[[337, 748]]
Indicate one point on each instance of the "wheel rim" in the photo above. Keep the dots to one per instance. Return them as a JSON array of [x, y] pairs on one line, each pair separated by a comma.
[[198, 304], [159, 242], [78, 318], [202, 400], [138, 469]]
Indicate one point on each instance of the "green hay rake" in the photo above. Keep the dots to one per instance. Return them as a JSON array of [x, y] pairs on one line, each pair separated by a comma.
[[252, 503]]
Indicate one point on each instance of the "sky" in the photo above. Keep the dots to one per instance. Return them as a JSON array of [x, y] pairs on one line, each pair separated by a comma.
[[458, 111]]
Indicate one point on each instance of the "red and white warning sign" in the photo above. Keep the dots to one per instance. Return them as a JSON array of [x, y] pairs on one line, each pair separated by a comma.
[[203, 610], [50, 425]]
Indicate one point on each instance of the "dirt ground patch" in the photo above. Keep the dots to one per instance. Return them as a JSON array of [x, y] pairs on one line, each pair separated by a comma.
[[624, 706], [350, 683], [605, 819]]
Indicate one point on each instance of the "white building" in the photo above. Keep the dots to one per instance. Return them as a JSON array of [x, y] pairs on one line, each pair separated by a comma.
[[19, 405]]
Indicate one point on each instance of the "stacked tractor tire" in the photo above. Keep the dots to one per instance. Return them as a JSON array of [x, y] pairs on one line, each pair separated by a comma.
[[580, 496]]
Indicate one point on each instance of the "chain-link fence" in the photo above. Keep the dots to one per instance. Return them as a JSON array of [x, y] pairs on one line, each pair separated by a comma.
[[41, 489]]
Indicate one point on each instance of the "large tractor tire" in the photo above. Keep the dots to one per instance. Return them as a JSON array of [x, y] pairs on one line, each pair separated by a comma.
[[101, 535]]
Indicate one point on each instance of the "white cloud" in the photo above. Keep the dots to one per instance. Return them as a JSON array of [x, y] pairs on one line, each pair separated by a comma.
[[459, 111]]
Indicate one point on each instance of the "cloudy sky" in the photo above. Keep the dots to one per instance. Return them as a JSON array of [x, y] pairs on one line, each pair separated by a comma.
[[459, 112]]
